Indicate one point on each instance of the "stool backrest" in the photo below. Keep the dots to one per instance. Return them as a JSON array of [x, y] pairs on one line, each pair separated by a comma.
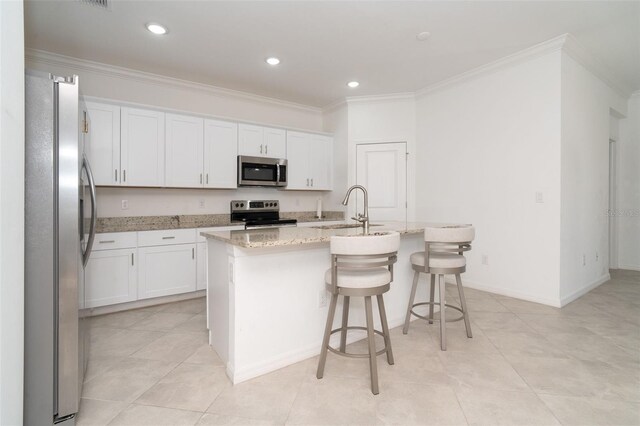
[[363, 252], [450, 239]]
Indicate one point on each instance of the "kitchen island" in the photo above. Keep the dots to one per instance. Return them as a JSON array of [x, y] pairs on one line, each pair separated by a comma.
[[266, 294]]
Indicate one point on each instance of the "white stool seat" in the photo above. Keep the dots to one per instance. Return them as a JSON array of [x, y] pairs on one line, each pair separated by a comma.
[[439, 260], [360, 278]]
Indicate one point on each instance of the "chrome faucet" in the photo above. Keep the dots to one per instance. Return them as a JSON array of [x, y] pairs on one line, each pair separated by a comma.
[[362, 218]]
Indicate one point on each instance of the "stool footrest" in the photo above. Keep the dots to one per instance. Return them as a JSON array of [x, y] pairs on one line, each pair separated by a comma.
[[457, 308], [354, 327]]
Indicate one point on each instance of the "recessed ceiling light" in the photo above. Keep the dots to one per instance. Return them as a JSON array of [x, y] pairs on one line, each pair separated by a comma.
[[423, 36], [156, 28], [272, 60], [353, 84]]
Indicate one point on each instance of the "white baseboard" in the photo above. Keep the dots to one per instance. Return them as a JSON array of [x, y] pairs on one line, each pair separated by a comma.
[[288, 358], [144, 303], [574, 295], [509, 293], [629, 267]]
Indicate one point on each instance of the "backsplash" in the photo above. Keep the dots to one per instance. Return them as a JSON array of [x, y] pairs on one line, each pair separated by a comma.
[[172, 201]]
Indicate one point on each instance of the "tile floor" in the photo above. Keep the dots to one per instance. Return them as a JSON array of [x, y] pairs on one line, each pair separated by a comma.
[[527, 364]]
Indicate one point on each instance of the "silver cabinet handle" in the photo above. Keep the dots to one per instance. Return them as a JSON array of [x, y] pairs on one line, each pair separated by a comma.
[[307, 181], [131, 259], [311, 181], [260, 149], [193, 253], [124, 175], [116, 177], [200, 177], [207, 178], [168, 238], [107, 241], [266, 149]]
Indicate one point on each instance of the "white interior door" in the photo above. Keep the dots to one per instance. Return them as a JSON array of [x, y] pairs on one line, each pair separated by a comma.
[[382, 169]]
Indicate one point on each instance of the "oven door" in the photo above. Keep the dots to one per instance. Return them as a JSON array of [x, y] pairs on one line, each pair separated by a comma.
[[259, 171]]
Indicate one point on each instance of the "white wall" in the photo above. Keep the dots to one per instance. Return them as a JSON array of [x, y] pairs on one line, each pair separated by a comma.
[[12, 211], [485, 146], [584, 240], [380, 120], [121, 84], [628, 194]]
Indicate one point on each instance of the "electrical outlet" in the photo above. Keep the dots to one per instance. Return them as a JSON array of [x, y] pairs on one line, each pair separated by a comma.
[[322, 298], [201, 204], [539, 197], [125, 204], [485, 259]]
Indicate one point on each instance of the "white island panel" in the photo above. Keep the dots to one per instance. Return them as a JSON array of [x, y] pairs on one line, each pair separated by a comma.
[[264, 301]]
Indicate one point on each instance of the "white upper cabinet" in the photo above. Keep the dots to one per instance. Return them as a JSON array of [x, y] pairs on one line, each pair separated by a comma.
[[102, 142], [142, 147], [258, 141], [184, 147], [309, 161], [220, 154]]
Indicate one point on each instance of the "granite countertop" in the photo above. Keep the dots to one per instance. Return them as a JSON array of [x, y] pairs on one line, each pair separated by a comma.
[[153, 223], [290, 236]]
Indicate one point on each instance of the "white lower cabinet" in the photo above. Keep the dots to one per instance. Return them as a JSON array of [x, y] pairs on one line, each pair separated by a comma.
[[110, 277], [166, 270], [201, 265]]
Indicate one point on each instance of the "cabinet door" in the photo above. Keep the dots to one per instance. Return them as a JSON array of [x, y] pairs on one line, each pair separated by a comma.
[[142, 147], [201, 260], [102, 142], [321, 162], [298, 145], [184, 146], [275, 143], [166, 270], [110, 277], [220, 154], [250, 140]]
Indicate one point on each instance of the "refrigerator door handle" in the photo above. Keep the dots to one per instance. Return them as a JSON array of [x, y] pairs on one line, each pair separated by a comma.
[[94, 212]]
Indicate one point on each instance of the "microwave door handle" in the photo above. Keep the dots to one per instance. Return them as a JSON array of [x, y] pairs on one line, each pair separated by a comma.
[[277, 174], [94, 213]]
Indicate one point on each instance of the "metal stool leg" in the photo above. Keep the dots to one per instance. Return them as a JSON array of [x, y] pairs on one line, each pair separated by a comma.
[[432, 291], [443, 322], [385, 329], [463, 305], [373, 367], [327, 334], [345, 321], [405, 329]]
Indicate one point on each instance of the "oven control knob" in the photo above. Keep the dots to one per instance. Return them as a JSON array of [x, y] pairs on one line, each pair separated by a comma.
[[237, 205], [241, 204], [275, 204]]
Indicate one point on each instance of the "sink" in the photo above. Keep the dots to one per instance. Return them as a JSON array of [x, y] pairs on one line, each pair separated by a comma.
[[344, 226]]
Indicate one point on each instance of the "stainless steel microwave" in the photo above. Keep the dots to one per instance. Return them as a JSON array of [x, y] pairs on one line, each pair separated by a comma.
[[261, 171]]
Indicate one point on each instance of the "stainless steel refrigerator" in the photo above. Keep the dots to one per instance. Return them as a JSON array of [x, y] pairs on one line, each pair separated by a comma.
[[58, 242]]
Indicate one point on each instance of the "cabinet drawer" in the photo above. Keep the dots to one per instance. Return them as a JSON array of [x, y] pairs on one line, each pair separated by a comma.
[[166, 237], [115, 240], [202, 239]]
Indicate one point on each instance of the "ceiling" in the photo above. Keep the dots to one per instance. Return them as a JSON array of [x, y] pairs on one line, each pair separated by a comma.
[[325, 44]]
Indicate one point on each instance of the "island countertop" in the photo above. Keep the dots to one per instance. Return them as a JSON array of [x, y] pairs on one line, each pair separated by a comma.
[[291, 236]]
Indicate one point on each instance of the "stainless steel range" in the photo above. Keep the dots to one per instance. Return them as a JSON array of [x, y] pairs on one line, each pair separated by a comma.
[[259, 214]]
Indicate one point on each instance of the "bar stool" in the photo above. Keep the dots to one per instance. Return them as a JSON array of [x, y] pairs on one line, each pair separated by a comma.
[[361, 266], [442, 255]]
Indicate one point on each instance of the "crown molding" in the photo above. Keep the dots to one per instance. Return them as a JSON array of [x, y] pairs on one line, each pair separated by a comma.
[[380, 98], [334, 105], [598, 68], [55, 59], [527, 54], [565, 42]]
